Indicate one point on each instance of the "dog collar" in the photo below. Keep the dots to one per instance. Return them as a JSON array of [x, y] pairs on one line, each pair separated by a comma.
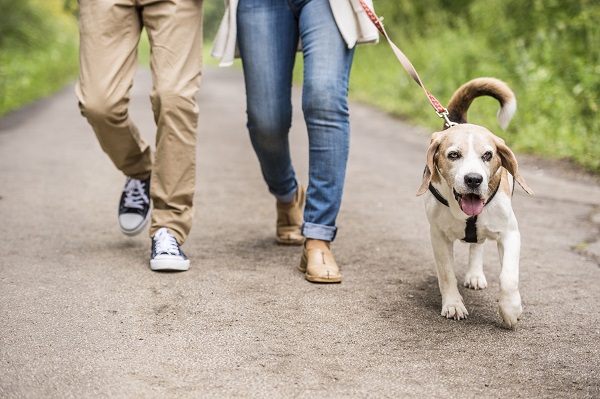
[[471, 226]]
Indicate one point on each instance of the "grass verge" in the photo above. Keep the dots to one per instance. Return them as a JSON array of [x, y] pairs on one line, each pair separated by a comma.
[[32, 71]]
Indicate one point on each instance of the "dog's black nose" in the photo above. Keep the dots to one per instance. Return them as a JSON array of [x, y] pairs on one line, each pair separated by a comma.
[[473, 180]]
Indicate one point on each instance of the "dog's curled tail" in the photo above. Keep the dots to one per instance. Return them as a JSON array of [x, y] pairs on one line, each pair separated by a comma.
[[463, 97]]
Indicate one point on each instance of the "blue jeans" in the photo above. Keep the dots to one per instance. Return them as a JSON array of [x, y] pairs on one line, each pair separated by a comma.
[[268, 34]]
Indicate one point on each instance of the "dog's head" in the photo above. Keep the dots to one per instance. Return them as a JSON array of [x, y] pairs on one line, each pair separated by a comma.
[[469, 159]]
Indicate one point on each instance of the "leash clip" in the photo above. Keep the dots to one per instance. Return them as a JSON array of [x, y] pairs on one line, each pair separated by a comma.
[[444, 115]]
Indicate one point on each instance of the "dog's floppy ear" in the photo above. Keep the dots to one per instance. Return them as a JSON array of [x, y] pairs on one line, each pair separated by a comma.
[[430, 167], [509, 161]]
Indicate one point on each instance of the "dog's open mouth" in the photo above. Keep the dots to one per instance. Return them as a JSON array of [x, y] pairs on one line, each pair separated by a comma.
[[471, 204]]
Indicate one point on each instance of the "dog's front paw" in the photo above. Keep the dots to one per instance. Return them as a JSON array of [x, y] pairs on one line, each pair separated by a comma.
[[510, 308], [475, 281], [455, 310]]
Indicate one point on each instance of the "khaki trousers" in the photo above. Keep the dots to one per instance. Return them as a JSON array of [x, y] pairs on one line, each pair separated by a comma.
[[109, 35]]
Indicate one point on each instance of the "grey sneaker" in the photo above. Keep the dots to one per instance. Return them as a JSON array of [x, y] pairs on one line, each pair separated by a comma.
[[134, 206], [166, 254]]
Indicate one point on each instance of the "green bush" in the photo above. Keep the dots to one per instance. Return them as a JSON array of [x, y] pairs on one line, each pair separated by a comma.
[[547, 51], [22, 25], [38, 50]]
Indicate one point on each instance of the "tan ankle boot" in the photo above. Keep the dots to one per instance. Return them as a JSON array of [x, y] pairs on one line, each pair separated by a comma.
[[289, 219], [319, 266]]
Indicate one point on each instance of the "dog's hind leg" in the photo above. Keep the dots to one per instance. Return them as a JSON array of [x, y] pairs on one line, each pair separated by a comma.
[[443, 252], [509, 248], [475, 278]]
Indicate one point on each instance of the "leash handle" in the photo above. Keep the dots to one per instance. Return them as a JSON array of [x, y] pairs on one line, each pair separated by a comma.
[[440, 110]]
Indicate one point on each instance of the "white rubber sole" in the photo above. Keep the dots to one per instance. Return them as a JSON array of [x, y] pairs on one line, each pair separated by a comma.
[[137, 229], [179, 265]]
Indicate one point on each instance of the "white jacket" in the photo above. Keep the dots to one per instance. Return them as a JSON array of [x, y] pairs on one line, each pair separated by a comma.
[[352, 22]]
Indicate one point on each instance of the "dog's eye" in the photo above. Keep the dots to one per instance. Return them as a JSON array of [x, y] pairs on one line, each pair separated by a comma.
[[487, 156], [454, 155]]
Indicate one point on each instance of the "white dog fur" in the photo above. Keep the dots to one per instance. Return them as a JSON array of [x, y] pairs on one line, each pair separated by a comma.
[[474, 171]]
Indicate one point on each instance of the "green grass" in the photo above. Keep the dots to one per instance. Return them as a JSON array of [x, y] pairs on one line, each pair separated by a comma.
[[38, 58], [547, 123], [547, 51], [27, 76]]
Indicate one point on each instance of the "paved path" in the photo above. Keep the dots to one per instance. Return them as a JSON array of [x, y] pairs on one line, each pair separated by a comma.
[[82, 316]]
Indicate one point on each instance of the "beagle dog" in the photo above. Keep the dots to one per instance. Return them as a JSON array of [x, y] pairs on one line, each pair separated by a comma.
[[468, 184]]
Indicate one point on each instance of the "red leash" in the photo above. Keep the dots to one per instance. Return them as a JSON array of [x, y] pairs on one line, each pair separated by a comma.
[[440, 110]]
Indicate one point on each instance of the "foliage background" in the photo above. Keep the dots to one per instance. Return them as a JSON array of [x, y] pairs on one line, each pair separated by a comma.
[[547, 50], [38, 50]]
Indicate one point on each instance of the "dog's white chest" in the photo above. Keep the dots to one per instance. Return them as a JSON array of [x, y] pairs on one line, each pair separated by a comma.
[[456, 226]]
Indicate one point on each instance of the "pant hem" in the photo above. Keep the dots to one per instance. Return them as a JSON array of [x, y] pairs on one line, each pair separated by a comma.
[[319, 232]]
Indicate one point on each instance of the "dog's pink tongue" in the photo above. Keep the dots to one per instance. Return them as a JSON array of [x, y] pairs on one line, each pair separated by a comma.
[[471, 204]]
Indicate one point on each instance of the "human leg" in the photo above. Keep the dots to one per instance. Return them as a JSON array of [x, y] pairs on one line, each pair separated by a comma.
[[327, 63], [175, 34], [109, 35], [268, 40]]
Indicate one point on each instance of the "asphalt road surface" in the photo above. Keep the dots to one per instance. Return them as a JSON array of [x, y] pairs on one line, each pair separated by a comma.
[[82, 315]]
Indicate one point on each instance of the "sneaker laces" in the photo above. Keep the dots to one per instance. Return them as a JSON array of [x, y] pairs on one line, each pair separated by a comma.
[[135, 195], [165, 243]]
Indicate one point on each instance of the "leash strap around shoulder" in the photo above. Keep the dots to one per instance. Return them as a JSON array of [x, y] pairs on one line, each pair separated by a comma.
[[440, 110]]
